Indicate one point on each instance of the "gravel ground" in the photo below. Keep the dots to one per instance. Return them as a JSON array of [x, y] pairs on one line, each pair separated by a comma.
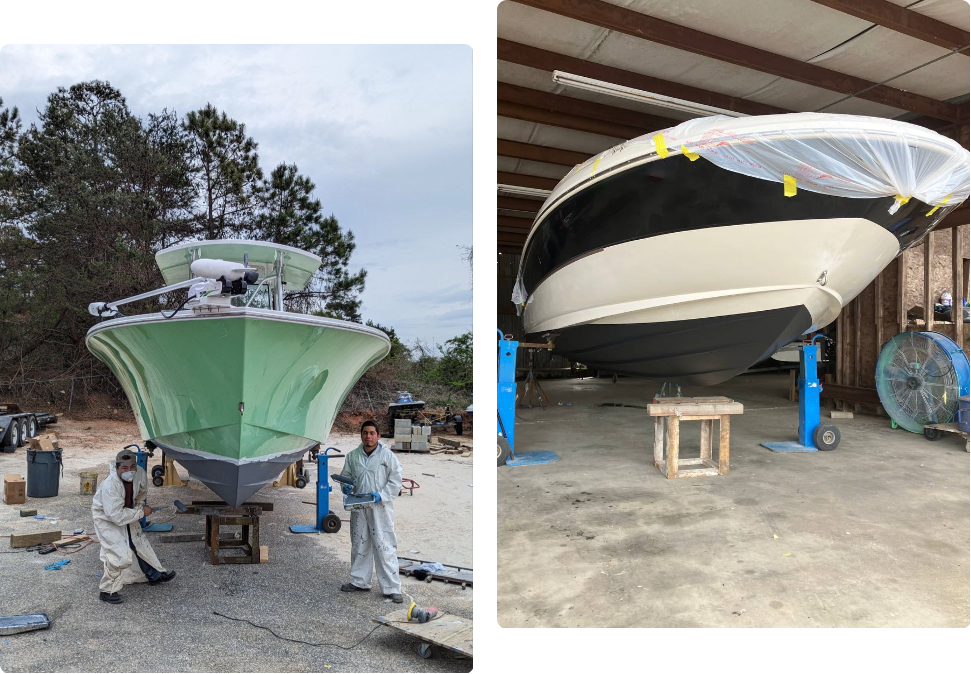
[[172, 627]]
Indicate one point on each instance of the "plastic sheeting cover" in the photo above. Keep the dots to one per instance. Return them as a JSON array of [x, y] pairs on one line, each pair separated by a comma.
[[843, 155]]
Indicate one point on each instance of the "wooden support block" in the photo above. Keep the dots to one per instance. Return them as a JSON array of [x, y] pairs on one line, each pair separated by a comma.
[[71, 539], [724, 424], [706, 429], [28, 512], [26, 540], [658, 441], [674, 432], [793, 391], [264, 554], [180, 538]]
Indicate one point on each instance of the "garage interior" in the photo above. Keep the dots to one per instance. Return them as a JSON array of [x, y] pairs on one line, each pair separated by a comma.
[[872, 534]]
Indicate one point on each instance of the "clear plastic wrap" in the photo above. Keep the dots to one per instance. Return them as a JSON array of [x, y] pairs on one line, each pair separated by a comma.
[[842, 155]]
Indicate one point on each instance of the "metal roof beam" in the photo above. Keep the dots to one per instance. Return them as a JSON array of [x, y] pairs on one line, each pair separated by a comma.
[[549, 155], [541, 59], [646, 27], [519, 204], [528, 113], [575, 106], [903, 20], [522, 180]]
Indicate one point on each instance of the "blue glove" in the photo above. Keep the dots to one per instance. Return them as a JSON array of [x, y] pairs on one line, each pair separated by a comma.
[[377, 497], [347, 488]]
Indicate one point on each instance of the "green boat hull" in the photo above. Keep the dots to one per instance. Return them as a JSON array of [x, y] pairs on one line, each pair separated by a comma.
[[238, 388]]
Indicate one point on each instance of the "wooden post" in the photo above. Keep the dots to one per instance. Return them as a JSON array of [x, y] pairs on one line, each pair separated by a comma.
[[706, 428], [674, 431], [658, 441], [878, 308], [901, 287], [723, 429], [957, 287], [928, 288], [840, 360]]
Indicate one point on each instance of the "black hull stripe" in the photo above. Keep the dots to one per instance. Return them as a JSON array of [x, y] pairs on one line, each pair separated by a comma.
[[675, 195]]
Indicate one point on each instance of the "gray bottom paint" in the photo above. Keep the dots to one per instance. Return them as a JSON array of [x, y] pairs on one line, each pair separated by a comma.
[[233, 482]]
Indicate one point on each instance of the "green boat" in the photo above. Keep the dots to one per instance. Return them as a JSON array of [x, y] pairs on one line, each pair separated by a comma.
[[232, 392]]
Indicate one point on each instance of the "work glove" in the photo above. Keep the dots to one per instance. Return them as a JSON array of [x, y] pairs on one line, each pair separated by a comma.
[[347, 488], [377, 497]]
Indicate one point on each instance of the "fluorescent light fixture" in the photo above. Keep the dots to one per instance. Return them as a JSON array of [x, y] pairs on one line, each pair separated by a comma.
[[532, 192], [610, 89]]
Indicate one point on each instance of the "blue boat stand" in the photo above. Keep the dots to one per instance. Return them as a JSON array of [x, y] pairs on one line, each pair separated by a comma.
[[813, 435], [506, 404], [326, 522], [141, 458]]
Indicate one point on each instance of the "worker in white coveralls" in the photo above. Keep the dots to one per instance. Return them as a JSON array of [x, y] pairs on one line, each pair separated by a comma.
[[375, 470], [116, 521]]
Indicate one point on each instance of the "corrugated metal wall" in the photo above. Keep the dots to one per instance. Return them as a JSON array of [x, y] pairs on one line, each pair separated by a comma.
[[544, 363]]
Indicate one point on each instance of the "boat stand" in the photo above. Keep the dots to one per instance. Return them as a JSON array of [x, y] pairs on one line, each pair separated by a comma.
[[813, 436], [506, 404], [325, 522], [220, 514], [141, 458]]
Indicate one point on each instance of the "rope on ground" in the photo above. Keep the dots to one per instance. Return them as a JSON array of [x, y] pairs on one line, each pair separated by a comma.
[[297, 641]]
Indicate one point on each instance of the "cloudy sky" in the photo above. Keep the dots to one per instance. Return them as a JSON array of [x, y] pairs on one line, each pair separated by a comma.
[[385, 132]]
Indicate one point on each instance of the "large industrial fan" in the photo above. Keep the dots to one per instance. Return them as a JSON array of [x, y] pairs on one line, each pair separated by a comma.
[[920, 376]]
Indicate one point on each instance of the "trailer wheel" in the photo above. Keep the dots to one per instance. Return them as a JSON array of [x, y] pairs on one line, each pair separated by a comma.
[[301, 482], [14, 434], [158, 471], [330, 523], [502, 451], [32, 427], [158, 480]]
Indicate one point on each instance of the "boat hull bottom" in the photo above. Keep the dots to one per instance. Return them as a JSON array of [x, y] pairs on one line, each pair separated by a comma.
[[233, 481], [703, 351]]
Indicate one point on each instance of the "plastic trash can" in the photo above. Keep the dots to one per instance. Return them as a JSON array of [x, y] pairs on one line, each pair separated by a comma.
[[44, 469]]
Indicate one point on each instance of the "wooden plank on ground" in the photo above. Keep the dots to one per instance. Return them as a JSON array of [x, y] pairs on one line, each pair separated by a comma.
[[38, 538]]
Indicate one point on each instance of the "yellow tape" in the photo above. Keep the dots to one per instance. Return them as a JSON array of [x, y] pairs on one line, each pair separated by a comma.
[[902, 200], [688, 153], [931, 212], [594, 169], [788, 185], [659, 145]]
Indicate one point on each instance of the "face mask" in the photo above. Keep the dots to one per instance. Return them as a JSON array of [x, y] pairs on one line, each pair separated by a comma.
[[128, 477]]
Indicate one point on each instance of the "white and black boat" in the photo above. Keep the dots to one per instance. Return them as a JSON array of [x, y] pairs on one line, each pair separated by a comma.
[[644, 261]]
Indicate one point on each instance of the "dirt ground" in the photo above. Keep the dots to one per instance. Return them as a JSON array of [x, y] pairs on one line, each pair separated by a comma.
[[296, 593], [445, 486]]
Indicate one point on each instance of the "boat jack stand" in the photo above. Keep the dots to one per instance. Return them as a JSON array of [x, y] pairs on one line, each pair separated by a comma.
[[506, 399], [141, 458], [813, 436], [326, 522]]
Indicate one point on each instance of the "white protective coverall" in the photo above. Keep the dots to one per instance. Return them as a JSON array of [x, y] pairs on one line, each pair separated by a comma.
[[373, 543], [112, 522]]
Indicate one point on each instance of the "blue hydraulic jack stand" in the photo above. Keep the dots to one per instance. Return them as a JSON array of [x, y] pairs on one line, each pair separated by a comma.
[[813, 436], [506, 412], [141, 458], [326, 521]]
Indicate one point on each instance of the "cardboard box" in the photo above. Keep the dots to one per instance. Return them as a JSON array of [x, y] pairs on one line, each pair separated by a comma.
[[14, 489], [48, 441]]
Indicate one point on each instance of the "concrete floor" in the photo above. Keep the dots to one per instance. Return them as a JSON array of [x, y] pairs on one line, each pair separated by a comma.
[[874, 534]]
